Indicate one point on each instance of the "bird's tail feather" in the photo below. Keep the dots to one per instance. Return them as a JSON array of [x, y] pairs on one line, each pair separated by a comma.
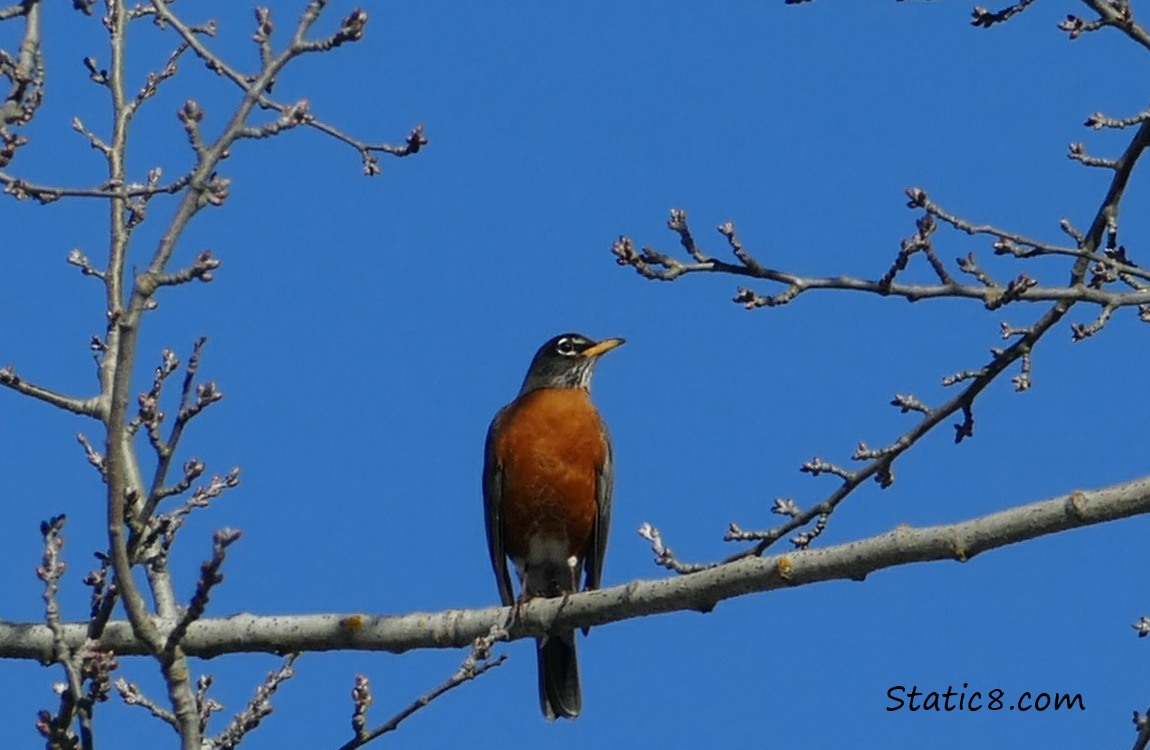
[[560, 694]]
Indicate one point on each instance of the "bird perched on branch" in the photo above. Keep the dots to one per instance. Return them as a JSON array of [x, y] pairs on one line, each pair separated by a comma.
[[547, 479]]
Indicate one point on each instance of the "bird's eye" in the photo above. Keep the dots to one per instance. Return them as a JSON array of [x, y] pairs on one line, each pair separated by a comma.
[[565, 346]]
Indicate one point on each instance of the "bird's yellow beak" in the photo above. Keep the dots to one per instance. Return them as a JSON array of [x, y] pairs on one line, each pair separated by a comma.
[[603, 347]]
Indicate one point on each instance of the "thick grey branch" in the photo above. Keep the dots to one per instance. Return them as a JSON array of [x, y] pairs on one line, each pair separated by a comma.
[[457, 628]]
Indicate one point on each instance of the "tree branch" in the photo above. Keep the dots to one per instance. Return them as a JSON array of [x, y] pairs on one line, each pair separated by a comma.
[[457, 628], [85, 407], [254, 87], [479, 661], [1116, 14]]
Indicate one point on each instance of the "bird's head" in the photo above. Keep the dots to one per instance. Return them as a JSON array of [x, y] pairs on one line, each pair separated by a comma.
[[566, 361]]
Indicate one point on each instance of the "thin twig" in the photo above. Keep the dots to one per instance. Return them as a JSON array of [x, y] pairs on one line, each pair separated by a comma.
[[350, 30], [478, 661], [210, 577], [90, 407], [258, 708]]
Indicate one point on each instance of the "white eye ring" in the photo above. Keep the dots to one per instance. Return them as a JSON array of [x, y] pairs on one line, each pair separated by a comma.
[[565, 346]]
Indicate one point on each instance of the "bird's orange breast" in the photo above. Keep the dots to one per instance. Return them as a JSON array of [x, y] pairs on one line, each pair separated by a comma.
[[551, 446]]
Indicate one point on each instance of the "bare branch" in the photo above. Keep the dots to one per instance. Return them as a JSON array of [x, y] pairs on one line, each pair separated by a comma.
[[969, 265], [207, 705], [26, 75], [456, 628], [134, 696], [1078, 153], [94, 458], [1081, 331], [985, 18], [880, 462], [101, 595], [78, 259], [1142, 724], [193, 469], [817, 466], [782, 506], [258, 708], [204, 495], [210, 576], [200, 270], [1021, 381], [919, 242], [149, 415], [92, 407], [478, 661], [727, 229], [350, 30], [804, 539], [664, 556], [909, 403], [59, 728], [152, 85], [1114, 13], [21, 189], [654, 265], [263, 35], [13, 11], [1075, 26], [96, 142], [1097, 121]]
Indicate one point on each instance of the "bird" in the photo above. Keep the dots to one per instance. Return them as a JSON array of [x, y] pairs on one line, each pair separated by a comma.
[[547, 483]]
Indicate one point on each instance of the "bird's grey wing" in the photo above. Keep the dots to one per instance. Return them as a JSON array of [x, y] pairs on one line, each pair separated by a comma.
[[604, 485], [492, 512]]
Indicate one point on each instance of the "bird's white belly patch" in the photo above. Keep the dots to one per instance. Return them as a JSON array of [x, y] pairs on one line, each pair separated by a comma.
[[547, 552], [547, 569]]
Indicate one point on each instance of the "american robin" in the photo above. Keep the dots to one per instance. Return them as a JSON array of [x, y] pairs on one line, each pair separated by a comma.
[[547, 478]]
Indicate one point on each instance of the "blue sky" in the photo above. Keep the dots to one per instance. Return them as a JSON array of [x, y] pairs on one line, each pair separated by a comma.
[[364, 331]]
